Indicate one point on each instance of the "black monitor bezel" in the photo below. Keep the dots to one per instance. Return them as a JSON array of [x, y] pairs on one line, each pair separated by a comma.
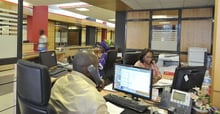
[[44, 61], [178, 81], [135, 96]]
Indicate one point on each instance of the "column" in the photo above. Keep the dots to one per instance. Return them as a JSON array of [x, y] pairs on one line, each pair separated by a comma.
[[35, 23]]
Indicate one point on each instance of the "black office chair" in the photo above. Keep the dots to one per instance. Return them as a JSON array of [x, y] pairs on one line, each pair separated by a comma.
[[108, 69], [130, 58], [33, 88]]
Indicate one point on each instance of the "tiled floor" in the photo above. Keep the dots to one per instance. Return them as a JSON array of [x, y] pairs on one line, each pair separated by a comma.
[[7, 96], [7, 103]]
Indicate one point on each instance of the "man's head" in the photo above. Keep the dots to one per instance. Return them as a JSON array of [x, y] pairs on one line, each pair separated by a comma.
[[41, 32], [82, 60]]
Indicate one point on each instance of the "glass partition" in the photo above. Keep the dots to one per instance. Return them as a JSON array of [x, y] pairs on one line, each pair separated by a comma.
[[164, 35]]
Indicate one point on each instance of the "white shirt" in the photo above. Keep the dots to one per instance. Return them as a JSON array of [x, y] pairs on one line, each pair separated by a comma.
[[77, 94], [42, 43]]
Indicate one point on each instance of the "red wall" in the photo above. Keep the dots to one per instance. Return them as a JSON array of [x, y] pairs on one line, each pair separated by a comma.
[[104, 34], [35, 23]]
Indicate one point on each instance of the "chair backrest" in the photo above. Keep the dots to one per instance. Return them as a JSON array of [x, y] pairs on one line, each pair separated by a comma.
[[131, 57], [108, 69], [33, 88]]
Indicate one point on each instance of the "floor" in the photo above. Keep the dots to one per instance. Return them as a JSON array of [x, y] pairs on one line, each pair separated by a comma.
[[7, 94]]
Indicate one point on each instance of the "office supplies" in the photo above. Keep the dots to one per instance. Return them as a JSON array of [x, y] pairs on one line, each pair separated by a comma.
[[125, 103], [163, 82], [113, 109]]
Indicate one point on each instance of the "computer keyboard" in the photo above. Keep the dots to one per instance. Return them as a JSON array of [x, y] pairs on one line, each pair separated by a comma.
[[125, 103], [57, 71]]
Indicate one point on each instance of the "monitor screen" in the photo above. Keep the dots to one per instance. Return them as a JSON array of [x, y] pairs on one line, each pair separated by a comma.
[[186, 78], [131, 57], [48, 58], [133, 80]]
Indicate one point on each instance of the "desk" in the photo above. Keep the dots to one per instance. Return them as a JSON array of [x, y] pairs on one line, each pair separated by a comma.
[[33, 56], [154, 106]]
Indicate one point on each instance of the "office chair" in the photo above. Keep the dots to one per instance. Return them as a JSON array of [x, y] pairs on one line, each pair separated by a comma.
[[33, 88], [130, 58], [108, 69]]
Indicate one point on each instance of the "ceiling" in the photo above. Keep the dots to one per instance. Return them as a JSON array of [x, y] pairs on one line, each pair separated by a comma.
[[105, 9]]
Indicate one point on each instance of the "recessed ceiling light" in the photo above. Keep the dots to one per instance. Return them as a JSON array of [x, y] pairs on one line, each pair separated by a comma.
[[82, 9]]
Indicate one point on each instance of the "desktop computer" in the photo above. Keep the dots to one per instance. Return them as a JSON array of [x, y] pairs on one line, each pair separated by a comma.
[[131, 80], [49, 59]]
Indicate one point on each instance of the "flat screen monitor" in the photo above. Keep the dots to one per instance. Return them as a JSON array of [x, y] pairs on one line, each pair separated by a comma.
[[133, 80], [131, 57], [48, 58], [186, 78]]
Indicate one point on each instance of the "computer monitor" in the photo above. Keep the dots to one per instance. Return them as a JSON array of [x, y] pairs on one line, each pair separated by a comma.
[[133, 80], [130, 58], [186, 78], [48, 58]]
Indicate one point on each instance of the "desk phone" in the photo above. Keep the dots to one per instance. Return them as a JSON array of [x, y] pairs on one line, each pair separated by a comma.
[[181, 101], [178, 102]]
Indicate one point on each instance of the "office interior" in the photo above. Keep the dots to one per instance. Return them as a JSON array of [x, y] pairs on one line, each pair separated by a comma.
[[134, 30]]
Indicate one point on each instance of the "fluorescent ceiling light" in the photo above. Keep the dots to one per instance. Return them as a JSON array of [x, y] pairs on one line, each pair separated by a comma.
[[72, 27], [82, 9], [24, 3], [67, 13], [74, 5], [164, 22], [163, 16], [159, 16]]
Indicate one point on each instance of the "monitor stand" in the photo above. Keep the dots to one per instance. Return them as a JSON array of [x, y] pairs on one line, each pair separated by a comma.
[[135, 98]]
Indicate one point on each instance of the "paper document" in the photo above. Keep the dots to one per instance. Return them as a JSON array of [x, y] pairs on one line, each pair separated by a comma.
[[109, 87], [113, 109], [164, 82]]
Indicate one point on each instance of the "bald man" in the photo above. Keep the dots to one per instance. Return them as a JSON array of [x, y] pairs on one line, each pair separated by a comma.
[[76, 92]]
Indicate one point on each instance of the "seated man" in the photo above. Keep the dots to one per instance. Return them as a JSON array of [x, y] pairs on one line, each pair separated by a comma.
[[76, 92]]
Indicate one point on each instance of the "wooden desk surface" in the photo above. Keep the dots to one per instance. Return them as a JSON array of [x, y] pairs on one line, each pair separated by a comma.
[[106, 92], [35, 54], [154, 106]]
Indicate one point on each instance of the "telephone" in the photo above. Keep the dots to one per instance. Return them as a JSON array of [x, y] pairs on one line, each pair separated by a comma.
[[95, 75], [70, 59], [179, 101]]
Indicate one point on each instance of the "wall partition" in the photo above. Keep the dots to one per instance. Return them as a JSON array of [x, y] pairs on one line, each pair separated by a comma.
[[137, 33], [168, 30], [10, 32]]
